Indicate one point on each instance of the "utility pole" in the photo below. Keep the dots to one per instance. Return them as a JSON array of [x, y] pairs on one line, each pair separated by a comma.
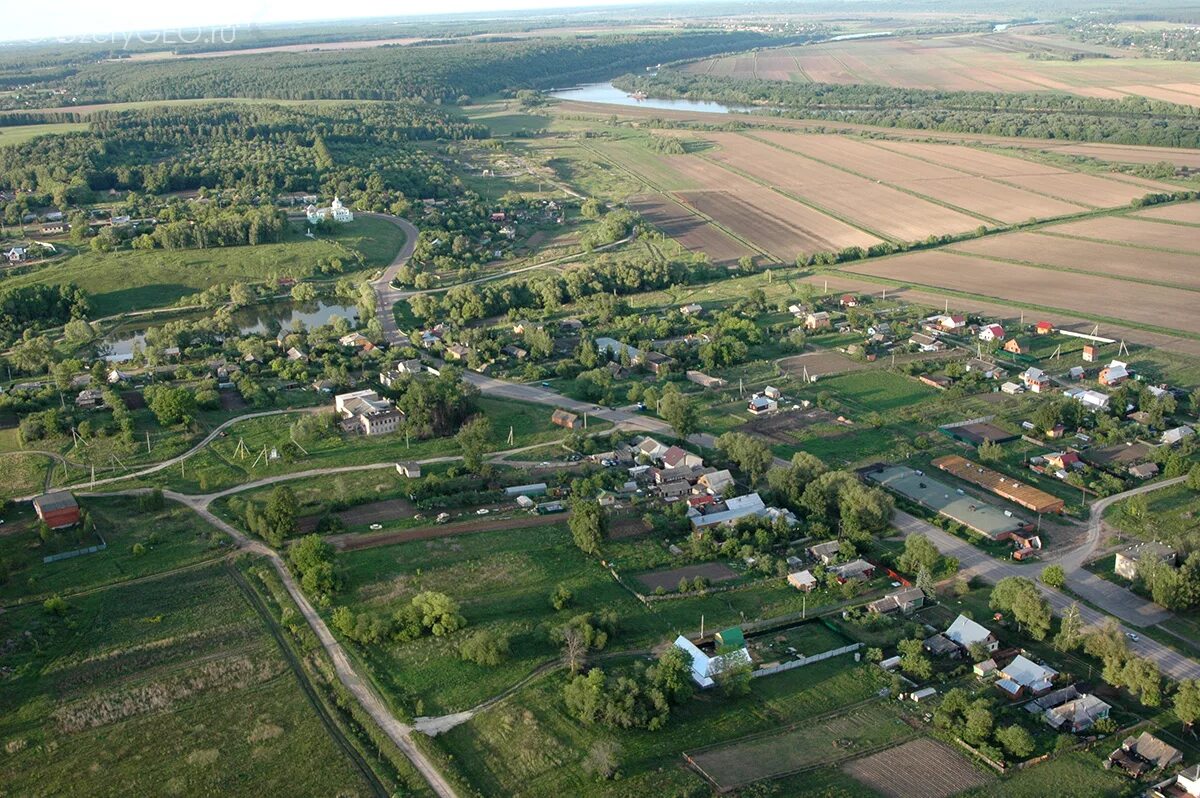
[[701, 626], [147, 441]]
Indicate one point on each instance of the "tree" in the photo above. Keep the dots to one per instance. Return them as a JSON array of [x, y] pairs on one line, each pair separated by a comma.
[[603, 759], [1193, 477], [924, 582], [584, 695], [473, 440], [438, 612], [1016, 740], [56, 605], [919, 553], [990, 452], [171, 406], [313, 559], [281, 515], [1070, 629], [1186, 704], [1143, 678], [1054, 576], [680, 412], [979, 721], [734, 678], [485, 647], [913, 660], [561, 597], [574, 649], [587, 525], [753, 456], [1020, 596]]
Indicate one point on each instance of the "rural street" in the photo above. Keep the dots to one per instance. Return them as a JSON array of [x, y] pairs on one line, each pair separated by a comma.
[[975, 562]]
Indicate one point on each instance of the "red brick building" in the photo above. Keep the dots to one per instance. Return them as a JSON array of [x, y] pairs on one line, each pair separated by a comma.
[[57, 510]]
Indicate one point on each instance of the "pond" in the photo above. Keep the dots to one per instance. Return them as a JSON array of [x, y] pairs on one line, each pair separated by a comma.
[[611, 95], [257, 320]]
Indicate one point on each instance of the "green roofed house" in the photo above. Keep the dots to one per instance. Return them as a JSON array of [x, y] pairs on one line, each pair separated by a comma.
[[730, 638]]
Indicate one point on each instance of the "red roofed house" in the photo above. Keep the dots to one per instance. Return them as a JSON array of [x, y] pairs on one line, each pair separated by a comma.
[[848, 301], [1044, 328], [1063, 460], [57, 510], [952, 322], [676, 457], [992, 332], [1114, 373]]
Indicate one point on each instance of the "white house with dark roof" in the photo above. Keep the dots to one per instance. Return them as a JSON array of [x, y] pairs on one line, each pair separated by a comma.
[[706, 669], [965, 633]]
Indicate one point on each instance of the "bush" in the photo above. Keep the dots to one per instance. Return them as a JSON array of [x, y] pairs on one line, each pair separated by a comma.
[[485, 647]]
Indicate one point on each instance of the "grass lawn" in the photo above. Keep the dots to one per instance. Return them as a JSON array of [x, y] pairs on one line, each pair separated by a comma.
[[19, 134], [1170, 516], [529, 745], [172, 537], [1079, 774], [166, 687], [503, 581], [134, 280], [875, 390], [24, 474]]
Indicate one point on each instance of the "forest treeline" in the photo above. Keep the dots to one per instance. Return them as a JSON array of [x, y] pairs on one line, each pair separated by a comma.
[[1131, 120], [435, 73], [260, 150]]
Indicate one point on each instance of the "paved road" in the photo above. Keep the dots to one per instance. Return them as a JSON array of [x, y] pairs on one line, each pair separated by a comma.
[[974, 562], [385, 295]]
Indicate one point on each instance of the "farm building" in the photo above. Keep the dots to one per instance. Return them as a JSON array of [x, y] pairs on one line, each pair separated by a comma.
[[1184, 785], [848, 301], [678, 457], [760, 405], [817, 321], [905, 601], [1127, 560], [534, 489], [1078, 714], [1003, 486], [1090, 353], [1035, 380], [1092, 400], [989, 370], [733, 637], [927, 343], [939, 645], [1023, 677], [972, 513], [1143, 754], [705, 669], [612, 348], [57, 510], [716, 482], [691, 309], [939, 381], [964, 633], [1012, 388], [827, 553], [948, 322], [1114, 374], [564, 418], [1143, 470], [802, 580], [409, 469], [514, 351], [985, 668], [704, 380], [1043, 328], [1176, 435], [1016, 346], [658, 363], [978, 431], [855, 569], [991, 332], [651, 448]]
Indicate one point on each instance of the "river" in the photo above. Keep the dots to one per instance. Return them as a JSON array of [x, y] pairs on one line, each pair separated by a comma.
[[610, 95]]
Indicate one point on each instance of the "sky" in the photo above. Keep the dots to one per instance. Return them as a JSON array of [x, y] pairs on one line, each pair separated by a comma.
[[90, 21]]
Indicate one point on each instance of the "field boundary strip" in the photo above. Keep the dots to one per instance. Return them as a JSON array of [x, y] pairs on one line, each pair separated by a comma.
[[896, 186], [802, 200]]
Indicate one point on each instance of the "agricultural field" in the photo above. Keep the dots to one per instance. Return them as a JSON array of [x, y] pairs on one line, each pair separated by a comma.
[[921, 768], [690, 230], [136, 280], [818, 741], [19, 134], [167, 686], [1184, 214], [1089, 296], [1135, 230], [970, 62], [1062, 254]]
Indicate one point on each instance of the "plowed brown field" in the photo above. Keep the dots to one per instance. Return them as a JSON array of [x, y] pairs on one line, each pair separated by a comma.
[[1133, 231], [1188, 213], [688, 229], [1090, 256], [1086, 294]]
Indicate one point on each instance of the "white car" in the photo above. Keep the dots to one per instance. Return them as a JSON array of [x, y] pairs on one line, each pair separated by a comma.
[[482, 511], [376, 526], [1132, 636]]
